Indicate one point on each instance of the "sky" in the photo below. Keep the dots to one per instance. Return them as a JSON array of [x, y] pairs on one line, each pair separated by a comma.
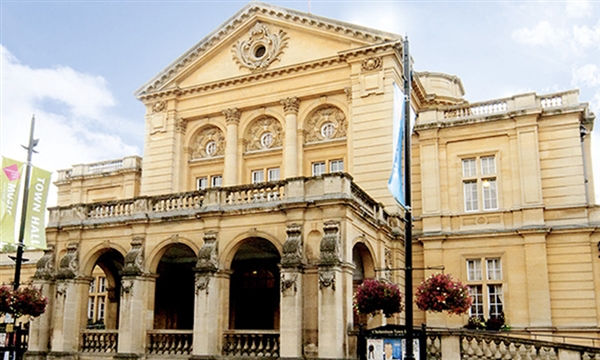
[[76, 64]]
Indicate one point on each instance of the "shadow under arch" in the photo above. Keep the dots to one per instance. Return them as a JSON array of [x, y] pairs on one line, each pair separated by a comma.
[[103, 303], [174, 291], [254, 286], [364, 268]]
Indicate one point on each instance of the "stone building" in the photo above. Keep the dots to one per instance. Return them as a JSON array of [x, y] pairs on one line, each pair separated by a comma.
[[261, 202]]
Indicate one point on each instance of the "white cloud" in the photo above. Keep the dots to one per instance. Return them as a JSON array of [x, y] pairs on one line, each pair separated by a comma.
[[587, 36], [578, 8], [73, 118], [586, 75], [542, 34]]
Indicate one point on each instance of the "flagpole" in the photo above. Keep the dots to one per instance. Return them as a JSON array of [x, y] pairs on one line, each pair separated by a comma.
[[19, 259], [408, 280]]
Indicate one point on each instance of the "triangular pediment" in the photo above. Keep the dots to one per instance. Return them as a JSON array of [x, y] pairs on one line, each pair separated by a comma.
[[261, 38]]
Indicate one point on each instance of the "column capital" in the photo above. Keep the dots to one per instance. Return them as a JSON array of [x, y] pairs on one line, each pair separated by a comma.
[[290, 104], [232, 115]]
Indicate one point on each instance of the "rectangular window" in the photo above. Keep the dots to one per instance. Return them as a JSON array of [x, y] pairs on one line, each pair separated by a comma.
[[216, 181], [273, 174], [318, 168], [258, 176], [201, 183], [101, 284], [101, 307], [485, 291], [477, 295], [92, 286], [91, 307], [480, 185], [336, 166]]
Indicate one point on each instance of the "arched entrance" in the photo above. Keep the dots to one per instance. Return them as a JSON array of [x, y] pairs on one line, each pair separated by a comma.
[[254, 291], [174, 295], [363, 269], [103, 293]]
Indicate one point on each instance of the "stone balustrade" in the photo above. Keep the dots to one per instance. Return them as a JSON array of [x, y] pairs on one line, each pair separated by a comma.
[[99, 341], [251, 343], [194, 203], [129, 163], [169, 342]]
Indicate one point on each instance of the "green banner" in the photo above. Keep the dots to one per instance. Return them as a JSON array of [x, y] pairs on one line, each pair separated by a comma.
[[10, 182], [35, 224]]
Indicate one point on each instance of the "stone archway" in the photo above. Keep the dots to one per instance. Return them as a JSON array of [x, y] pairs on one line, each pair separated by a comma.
[[103, 301], [363, 269], [174, 294], [254, 286]]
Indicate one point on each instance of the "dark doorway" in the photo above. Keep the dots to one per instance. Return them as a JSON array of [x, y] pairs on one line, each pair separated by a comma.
[[255, 286], [174, 296]]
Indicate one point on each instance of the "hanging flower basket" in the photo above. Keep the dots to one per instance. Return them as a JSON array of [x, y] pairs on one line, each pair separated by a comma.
[[23, 301], [377, 295], [440, 293]]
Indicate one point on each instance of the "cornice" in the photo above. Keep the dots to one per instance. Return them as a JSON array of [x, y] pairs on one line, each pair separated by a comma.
[[337, 60], [255, 10]]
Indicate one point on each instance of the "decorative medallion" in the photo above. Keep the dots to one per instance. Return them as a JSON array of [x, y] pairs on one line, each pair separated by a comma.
[[372, 63], [201, 282], [263, 134], [324, 124], [158, 106], [289, 283], [261, 49], [327, 279], [208, 143]]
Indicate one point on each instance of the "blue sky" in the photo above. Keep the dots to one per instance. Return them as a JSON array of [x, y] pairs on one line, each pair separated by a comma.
[[75, 64]]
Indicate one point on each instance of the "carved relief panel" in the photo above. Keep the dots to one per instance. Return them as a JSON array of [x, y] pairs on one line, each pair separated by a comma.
[[263, 134], [207, 143], [324, 124], [260, 49]]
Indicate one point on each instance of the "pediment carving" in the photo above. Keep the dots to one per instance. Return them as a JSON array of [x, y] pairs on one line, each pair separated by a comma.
[[208, 143], [261, 48], [324, 124], [263, 134]]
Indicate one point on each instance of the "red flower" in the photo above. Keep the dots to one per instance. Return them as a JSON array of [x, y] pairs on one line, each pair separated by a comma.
[[374, 295], [440, 293], [23, 301]]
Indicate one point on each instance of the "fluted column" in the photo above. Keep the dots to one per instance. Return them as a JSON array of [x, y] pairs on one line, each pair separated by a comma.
[[232, 118], [290, 146]]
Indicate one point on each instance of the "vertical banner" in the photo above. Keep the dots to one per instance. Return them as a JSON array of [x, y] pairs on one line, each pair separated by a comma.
[[10, 182], [395, 183], [35, 234]]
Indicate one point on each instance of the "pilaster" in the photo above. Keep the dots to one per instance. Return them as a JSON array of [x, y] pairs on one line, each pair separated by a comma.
[[290, 147], [291, 304], [538, 284], [232, 118]]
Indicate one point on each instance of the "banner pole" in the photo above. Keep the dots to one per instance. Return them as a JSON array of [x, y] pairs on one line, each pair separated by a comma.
[[408, 280], [19, 259]]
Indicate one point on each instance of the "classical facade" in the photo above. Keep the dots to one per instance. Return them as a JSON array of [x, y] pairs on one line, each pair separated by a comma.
[[261, 202]]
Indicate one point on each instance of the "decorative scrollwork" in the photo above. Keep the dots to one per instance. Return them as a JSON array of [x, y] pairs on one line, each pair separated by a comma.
[[327, 279], [372, 63], [292, 247], [208, 143], [264, 133], [134, 260], [290, 283], [325, 123], [261, 49], [158, 106], [69, 264], [45, 265], [208, 256], [330, 244]]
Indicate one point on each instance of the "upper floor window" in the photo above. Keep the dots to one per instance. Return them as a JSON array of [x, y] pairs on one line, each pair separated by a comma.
[[258, 176], [318, 168], [480, 186], [336, 166], [215, 181], [211, 148], [266, 140], [484, 276], [97, 294], [327, 130]]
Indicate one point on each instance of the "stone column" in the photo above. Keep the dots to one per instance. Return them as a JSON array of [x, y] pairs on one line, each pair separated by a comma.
[[232, 118], [331, 301], [207, 330], [135, 285], [68, 302], [40, 329], [290, 146], [291, 304]]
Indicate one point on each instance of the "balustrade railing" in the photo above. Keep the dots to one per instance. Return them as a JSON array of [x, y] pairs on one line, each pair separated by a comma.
[[169, 342], [99, 341], [478, 109], [111, 209], [261, 343], [256, 193], [105, 166], [175, 202]]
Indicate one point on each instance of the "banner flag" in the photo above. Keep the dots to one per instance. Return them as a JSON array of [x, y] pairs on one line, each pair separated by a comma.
[[35, 224], [395, 183], [10, 182]]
